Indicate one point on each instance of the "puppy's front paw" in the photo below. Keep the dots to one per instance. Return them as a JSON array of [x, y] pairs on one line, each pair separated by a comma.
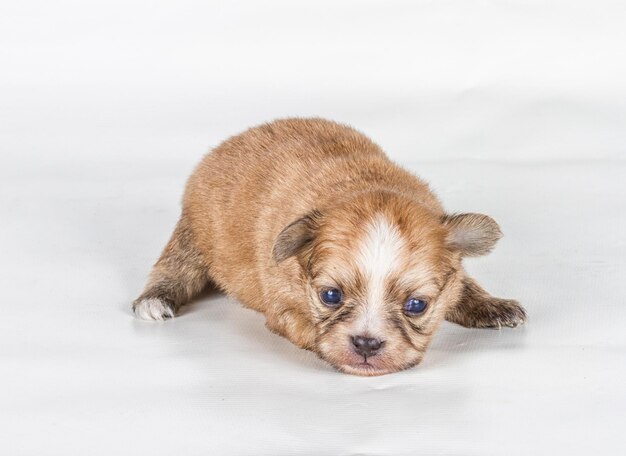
[[484, 311], [153, 309], [496, 313]]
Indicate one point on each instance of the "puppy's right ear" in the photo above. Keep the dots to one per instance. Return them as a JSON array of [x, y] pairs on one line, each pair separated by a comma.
[[295, 237]]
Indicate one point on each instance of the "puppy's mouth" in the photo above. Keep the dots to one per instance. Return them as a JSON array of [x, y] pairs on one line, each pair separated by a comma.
[[364, 368], [353, 365], [370, 367]]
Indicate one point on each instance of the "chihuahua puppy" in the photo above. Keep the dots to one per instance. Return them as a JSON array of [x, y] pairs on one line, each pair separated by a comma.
[[345, 253]]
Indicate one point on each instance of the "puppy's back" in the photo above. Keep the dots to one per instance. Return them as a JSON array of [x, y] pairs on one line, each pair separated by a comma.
[[279, 148]]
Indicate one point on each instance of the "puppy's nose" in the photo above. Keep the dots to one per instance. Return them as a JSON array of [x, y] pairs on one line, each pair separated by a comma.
[[366, 346]]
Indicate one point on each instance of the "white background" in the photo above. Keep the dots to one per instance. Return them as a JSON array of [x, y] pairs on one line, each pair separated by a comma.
[[513, 108]]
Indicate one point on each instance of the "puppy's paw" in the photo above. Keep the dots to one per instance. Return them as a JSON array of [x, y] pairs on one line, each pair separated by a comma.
[[153, 309], [497, 313], [484, 311]]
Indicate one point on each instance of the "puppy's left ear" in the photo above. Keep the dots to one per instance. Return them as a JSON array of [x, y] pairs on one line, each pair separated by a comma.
[[295, 237], [471, 234]]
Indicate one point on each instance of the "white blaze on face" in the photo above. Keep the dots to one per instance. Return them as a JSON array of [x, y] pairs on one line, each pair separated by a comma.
[[378, 256]]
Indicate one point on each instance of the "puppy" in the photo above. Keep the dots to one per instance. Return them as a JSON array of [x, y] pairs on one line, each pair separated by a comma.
[[345, 253]]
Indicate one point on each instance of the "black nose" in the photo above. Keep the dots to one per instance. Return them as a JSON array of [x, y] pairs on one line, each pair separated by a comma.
[[366, 346]]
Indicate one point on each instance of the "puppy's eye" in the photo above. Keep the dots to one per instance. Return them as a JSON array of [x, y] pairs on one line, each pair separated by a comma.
[[415, 306], [331, 297]]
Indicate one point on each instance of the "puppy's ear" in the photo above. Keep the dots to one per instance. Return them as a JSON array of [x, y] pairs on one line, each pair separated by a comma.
[[295, 237], [471, 234]]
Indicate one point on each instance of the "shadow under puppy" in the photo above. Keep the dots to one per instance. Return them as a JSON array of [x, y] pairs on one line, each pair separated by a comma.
[[346, 253]]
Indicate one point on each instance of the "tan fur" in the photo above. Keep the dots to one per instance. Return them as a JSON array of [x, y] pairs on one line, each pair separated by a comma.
[[277, 213]]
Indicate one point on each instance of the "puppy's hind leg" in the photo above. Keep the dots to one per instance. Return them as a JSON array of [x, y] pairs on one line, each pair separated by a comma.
[[178, 275], [478, 309]]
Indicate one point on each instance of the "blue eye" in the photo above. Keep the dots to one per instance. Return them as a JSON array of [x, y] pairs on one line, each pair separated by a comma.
[[415, 306], [331, 297]]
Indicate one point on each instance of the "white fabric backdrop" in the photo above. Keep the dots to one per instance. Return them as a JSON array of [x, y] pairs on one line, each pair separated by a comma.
[[513, 108], [503, 80]]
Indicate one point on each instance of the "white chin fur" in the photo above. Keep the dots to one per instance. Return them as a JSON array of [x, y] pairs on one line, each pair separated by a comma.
[[153, 309]]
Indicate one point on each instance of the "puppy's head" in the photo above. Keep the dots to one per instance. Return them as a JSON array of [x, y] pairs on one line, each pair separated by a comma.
[[381, 272]]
